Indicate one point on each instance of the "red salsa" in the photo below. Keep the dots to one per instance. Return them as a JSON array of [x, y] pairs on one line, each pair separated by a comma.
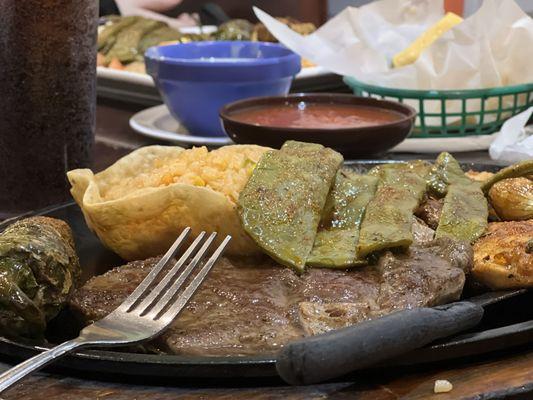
[[316, 116]]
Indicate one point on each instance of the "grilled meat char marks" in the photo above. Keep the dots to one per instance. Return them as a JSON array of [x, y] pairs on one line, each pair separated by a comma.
[[242, 309]]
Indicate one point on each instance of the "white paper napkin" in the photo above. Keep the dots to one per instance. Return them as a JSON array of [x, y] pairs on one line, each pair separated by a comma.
[[514, 142], [491, 48]]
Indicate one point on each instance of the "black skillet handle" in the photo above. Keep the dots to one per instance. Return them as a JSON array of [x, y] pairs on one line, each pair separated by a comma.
[[333, 354]]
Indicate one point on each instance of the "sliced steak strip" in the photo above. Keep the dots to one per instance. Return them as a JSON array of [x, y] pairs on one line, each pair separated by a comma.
[[429, 211]]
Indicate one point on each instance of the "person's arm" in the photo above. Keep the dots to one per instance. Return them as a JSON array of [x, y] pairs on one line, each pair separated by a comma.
[[149, 5], [152, 8]]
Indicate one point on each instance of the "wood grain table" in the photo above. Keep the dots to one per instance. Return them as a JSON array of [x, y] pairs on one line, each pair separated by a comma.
[[501, 375]]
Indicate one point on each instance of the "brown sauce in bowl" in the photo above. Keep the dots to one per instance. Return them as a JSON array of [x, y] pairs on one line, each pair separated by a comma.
[[316, 116]]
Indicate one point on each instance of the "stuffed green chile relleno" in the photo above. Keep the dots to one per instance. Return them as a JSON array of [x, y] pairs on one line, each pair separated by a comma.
[[336, 240], [38, 270], [389, 215], [281, 205]]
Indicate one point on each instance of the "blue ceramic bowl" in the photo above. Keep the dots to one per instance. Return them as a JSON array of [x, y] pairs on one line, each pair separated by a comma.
[[196, 79]]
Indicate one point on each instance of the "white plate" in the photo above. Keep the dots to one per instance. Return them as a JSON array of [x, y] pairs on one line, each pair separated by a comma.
[[137, 78], [451, 145], [196, 30], [156, 122], [146, 80], [134, 78]]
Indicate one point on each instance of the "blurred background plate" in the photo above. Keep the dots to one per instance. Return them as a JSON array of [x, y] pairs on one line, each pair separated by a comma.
[[137, 88], [137, 78], [198, 29], [450, 144], [157, 123]]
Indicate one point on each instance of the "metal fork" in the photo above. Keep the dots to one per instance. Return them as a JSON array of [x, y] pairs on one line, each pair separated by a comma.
[[144, 314]]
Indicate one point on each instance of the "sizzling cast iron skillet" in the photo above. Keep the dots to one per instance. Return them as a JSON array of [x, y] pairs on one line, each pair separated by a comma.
[[505, 324]]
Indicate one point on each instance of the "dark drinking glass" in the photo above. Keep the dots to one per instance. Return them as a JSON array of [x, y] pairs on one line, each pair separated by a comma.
[[47, 98]]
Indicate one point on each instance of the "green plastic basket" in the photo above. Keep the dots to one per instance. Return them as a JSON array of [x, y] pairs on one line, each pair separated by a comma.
[[454, 113]]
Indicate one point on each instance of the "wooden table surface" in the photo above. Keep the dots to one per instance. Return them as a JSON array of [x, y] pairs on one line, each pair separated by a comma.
[[501, 375]]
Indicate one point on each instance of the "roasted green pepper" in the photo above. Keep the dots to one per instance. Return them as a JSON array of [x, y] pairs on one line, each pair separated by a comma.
[[523, 168], [336, 240], [281, 205], [38, 269], [389, 215], [465, 210]]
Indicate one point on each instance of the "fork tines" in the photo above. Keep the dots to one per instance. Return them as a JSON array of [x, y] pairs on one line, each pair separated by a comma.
[[159, 302]]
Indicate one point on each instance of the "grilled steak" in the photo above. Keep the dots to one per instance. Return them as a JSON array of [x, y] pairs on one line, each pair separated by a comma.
[[429, 211], [421, 232], [256, 307]]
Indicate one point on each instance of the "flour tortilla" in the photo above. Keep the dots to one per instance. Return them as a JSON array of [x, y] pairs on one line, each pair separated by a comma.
[[146, 221]]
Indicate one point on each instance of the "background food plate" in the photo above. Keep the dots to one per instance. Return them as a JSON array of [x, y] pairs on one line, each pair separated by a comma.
[[505, 324], [135, 88], [136, 78], [157, 123]]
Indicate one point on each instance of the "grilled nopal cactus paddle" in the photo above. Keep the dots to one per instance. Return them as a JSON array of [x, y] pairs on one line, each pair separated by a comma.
[[444, 172], [281, 205], [465, 210], [159, 35], [126, 45], [464, 213], [389, 215], [336, 240], [38, 270], [108, 36]]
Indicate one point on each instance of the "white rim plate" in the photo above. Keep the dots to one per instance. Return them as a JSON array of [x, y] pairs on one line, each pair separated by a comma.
[[198, 30], [157, 123], [452, 145]]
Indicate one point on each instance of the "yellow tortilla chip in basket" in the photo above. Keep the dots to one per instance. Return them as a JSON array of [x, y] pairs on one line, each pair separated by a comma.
[[140, 204]]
